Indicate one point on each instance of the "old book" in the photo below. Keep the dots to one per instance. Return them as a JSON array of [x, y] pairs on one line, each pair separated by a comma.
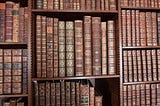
[[138, 95], [135, 70], [1, 71], [84, 96], [149, 65], [129, 35], [137, 28], [158, 58], [106, 4], [153, 94], [56, 4], [50, 4], [154, 65], [43, 46], [48, 91], [142, 29], [98, 5], [133, 95], [139, 67], [130, 68], [154, 29], [69, 48], [77, 94], [79, 66], [36, 95], [133, 26], [104, 47], [87, 46], [111, 48], [144, 65], [98, 100], [16, 88], [91, 96], [112, 5], [6, 88], [49, 47], [2, 21], [61, 44], [78, 4], [125, 66], [88, 5], [39, 4], [39, 45], [6, 104], [15, 13], [96, 45], [123, 27], [58, 97], [125, 95], [13, 102], [82, 5], [158, 94], [149, 35], [20, 104], [68, 93], [63, 99], [137, 3], [158, 25], [102, 4], [26, 21], [21, 24], [42, 93], [93, 4], [53, 94], [61, 4], [9, 22], [129, 94], [148, 94], [143, 94], [45, 4], [73, 93]]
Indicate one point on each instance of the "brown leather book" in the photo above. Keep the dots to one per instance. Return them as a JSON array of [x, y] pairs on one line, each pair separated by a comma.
[[2, 22]]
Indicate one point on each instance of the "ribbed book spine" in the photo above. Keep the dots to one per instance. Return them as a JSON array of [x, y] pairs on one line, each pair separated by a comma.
[[77, 94], [2, 21], [63, 99], [58, 102], [55, 49], [49, 45], [96, 45], [21, 24], [48, 96], [84, 96], [87, 46], [39, 45], [79, 48], [68, 93], [154, 29], [36, 94], [53, 94], [69, 48], [39, 4], [91, 96], [62, 61], [158, 25], [50, 4], [26, 18], [1, 71], [125, 66], [73, 94], [42, 93], [123, 27]]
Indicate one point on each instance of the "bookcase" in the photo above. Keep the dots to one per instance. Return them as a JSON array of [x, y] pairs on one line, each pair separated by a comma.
[[139, 53], [75, 52], [14, 53]]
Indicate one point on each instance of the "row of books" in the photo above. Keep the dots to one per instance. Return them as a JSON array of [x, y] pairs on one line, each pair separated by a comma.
[[13, 71], [140, 28], [75, 48], [141, 95], [66, 93], [13, 102], [141, 3], [141, 65], [76, 4], [13, 22]]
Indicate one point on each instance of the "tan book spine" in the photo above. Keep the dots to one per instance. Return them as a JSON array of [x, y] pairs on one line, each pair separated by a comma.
[[130, 69], [50, 4], [129, 35], [149, 29], [144, 65], [124, 28], [149, 65], [135, 70], [91, 96], [143, 95], [139, 62], [154, 65], [158, 64], [137, 28], [125, 97], [133, 26], [148, 95], [153, 94], [45, 4], [142, 29], [125, 66], [133, 95], [138, 95], [154, 29]]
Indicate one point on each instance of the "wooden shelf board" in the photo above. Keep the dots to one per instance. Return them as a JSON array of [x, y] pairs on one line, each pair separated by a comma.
[[140, 8], [14, 95], [140, 47], [143, 82], [12, 43], [76, 78], [74, 11]]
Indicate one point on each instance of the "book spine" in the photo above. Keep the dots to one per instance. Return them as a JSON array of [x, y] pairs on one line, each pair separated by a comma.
[[144, 65], [125, 95], [91, 96], [48, 89], [77, 94], [102, 4], [9, 22], [130, 69], [158, 25], [98, 5], [68, 93], [135, 71], [20, 104], [15, 13], [133, 95], [56, 4], [21, 24], [124, 29], [73, 94], [111, 48], [2, 21], [78, 4], [39, 4], [49, 47], [45, 4], [62, 61], [154, 29], [82, 4], [104, 47], [87, 46], [93, 4], [84, 96], [137, 28], [149, 29], [98, 100], [158, 64], [50, 4], [139, 62], [36, 90], [125, 66], [129, 102], [43, 46], [129, 36], [138, 95], [96, 45], [63, 99], [112, 4], [26, 18], [154, 65], [61, 4], [42, 92], [143, 94], [153, 94], [148, 95], [142, 29], [39, 45], [58, 102], [53, 94], [69, 48], [133, 26], [158, 94], [149, 65], [88, 4], [106, 6], [1, 71], [79, 48]]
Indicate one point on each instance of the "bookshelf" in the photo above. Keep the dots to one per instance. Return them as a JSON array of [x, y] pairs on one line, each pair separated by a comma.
[[73, 17], [139, 53]]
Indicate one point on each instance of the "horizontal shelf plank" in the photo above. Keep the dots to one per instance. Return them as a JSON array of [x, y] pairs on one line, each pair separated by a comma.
[[14, 95], [76, 78], [142, 82], [74, 11], [140, 8], [140, 47], [12, 43]]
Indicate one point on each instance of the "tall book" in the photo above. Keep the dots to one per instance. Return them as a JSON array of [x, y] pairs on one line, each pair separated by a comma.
[[61, 52], [48, 91], [53, 94], [21, 24], [104, 47], [158, 94], [153, 94], [154, 65], [73, 94], [58, 100], [143, 94], [9, 22], [39, 45], [142, 29], [158, 25], [129, 34], [50, 4], [137, 28], [148, 94], [87, 46], [68, 93], [36, 90], [70, 48], [63, 99], [111, 47], [2, 21], [77, 94], [158, 63], [112, 4], [84, 96], [154, 29], [135, 70], [149, 29], [26, 21], [1, 71], [124, 29], [139, 67], [144, 65], [138, 95], [42, 93], [55, 45], [79, 67], [49, 41], [133, 26], [91, 96], [149, 65], [96, 45], [125, 66], [133, 95]]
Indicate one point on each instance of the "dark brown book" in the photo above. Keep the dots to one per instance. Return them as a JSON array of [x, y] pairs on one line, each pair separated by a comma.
[[79, 67], [50, 47], [9, 22], [144, 65], [143, 94], [48, 91], [111, 47], [148, 95], [77, 94], [154, 65], [87, 46], [98, 100], [6, 104], [154, 29], [55, 45], [63, 99], [42, 93], [36, 95], [142, 29], [2, 21], [13, 102], [125, 66], [91, 96], [112, 4], [98, 5], [153, 94], [62, 61], [53, 94], [124, 28], [73, 94], [39, 45], [58, 100], [96, 45], [149, 65], [68, 93]]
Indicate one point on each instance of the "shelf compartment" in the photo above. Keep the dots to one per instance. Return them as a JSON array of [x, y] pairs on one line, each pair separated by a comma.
[[140, 8], [14, 95], [140, 47], [76, 78], [142, 82]]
